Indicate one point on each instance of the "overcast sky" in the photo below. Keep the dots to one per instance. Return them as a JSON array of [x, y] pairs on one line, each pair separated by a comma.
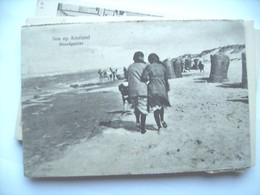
[[113, 44]]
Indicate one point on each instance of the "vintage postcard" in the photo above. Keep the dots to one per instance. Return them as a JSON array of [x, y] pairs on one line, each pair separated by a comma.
[[52, 8], [136, 97], [64, 9]]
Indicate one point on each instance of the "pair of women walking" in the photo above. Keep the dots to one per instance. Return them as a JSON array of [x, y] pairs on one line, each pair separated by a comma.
[[148, 89]]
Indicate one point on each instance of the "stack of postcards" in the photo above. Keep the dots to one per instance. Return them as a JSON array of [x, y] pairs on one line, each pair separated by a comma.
[[80, 102]]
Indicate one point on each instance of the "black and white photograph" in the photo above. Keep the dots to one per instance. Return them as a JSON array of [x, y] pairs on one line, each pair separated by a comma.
[[65, 9], [61, 8], [135, 98]]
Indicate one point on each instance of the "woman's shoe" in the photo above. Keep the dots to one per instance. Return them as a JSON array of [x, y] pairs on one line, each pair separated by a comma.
[[164, 124], [143, 131]]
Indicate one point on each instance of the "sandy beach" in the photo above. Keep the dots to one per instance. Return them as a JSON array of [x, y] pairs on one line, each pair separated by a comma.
[[83, 132]]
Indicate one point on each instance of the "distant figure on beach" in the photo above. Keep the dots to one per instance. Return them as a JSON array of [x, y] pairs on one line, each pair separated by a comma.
[[107, 75], [187, 65], [101, 76], [113, 74], [125, 72], [100, 72], [123, 88], [195, 64], [138, 90], [158, 88], [201, 66]]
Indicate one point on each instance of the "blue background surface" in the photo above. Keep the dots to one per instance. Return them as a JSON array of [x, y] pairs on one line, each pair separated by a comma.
[[13, 14]]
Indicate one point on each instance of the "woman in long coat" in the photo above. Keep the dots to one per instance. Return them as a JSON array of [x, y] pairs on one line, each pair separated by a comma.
[[158, 87], [138, 89]]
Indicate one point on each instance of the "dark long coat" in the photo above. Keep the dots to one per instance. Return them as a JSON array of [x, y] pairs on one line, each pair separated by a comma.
[[137, 88], [158, 86]]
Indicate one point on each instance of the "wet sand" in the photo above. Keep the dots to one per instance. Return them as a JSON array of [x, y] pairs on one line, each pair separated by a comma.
[[60, 120]]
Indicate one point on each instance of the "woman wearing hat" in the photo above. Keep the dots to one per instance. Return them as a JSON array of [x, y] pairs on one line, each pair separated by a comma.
[[158, 87], [138, 90]]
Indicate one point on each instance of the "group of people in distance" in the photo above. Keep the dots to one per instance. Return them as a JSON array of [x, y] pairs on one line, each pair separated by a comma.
[[146, 89], [109, 74]]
